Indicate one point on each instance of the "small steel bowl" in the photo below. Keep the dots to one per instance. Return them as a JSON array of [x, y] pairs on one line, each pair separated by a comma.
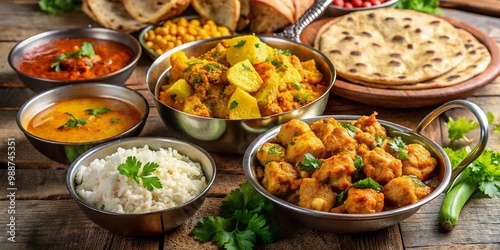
[[143, 224], [67, 152], [334, 10], [225, 135], [357, 223], [38, 84]]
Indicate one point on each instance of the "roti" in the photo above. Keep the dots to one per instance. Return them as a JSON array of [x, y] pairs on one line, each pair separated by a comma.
[[477, 59], [390, 46]]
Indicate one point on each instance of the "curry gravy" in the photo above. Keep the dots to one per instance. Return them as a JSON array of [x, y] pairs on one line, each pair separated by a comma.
[[48, 124]]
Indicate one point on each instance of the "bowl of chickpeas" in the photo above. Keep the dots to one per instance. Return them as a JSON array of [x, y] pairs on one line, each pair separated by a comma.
[[160, 38]]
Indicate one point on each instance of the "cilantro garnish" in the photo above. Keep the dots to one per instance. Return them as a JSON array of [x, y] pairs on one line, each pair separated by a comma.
[[132, 169], [365, 183], [351, 129], [275, 150], [240, 43], [257, 45], [114, 120], [379, 141], [190, 64], [283, 52], [246, 67], [458, 128], [73, 122], [309, 162], [211, 67], [85, 50], [358, 164], [97, 112], [233, 105], [216, 53], [398, 146], [297, 85], [246, 219]]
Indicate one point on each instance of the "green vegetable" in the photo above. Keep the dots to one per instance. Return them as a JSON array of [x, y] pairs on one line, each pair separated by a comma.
[[240, 43], [309, 162], [85, 50], [246, 220], [132, 169], [73, 122], [458, 128], [97, 112], [233, 105], [398, 146], [351, 129], [482, 175], [426, 6], [365, 183], [114, 120], [59, 6]]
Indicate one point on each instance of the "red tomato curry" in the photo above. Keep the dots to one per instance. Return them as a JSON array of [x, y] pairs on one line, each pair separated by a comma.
[[109, 56], [84, 119]]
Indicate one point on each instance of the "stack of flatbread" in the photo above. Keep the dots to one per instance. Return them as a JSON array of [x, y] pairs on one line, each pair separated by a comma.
[[132, 15], [401, 49]]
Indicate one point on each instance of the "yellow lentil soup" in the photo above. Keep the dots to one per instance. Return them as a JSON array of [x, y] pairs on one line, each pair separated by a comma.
[[84, 119]]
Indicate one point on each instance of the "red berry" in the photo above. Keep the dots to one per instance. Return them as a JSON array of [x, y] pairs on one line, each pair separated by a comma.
[[366, 4], [357, 3], [338, 2]]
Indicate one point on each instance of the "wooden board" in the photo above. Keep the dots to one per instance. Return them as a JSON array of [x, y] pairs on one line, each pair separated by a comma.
[[414, 98], [486, 7]]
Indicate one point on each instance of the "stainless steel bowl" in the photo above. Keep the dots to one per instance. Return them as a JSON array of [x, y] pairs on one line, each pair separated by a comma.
[[151, 223], [38, 84], [224, 135], [357, 223], [334, 10], [67, 152]]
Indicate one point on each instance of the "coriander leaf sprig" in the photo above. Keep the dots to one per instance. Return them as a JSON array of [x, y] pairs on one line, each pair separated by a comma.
[[96, 112], [85, 50], [131, 168], [398, 146], [309, 162], [246, 220], [73, 122]]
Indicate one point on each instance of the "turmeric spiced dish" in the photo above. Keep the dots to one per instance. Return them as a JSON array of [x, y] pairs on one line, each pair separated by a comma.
[[76, 59], [241, 78], [353, 168]]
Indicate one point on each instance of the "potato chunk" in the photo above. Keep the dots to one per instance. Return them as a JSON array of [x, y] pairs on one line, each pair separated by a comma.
[[270, 152], [242, 105], [243, 75], [246, 47], [179, 90]]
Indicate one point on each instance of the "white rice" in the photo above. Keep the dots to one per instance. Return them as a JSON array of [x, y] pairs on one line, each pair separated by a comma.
[[102, 186]]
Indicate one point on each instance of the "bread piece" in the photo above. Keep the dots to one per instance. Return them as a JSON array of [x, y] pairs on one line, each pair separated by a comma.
[[477, 59], [390, 46], [244, 19], [301, 6], [86, 9], [222, 12], [271, 15], [148, 11], [113, 15]]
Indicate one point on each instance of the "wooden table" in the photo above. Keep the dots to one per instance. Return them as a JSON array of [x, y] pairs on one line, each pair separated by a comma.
[[47, 218]]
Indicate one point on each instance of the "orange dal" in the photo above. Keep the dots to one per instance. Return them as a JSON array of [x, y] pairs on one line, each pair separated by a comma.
[[46, 123]]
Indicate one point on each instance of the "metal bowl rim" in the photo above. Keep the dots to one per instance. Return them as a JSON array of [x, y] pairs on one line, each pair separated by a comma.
[[45, 34], [76, 164], [252, 149], [194, 43], [62, 88]]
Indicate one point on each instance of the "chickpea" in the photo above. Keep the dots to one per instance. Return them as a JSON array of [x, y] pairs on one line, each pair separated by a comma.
[[178, 31]]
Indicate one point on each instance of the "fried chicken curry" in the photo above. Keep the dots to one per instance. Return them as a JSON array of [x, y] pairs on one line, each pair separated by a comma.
[[241, 78], [353, 168]]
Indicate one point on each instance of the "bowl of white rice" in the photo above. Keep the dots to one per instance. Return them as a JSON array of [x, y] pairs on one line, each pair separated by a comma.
[[142, 185]]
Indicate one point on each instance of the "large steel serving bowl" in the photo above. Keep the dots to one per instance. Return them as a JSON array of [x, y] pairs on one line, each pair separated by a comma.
[[334, 10], [67, 152], [357, 223], [225, 135], [38, 84], [151, 223]]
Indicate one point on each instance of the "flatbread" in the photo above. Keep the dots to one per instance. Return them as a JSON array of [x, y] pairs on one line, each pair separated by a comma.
[[112, 14], [390, 46], [477, 59]]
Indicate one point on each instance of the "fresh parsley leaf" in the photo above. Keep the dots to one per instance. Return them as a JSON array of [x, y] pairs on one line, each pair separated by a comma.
[[351, 129], [59, 6], [379, 141], [233, 105], [275, 150], [131, 168], [309, 162], [358, 164], [247, 219], [398, 146], [97, 112], [86, 49], [211, 67], [114, 120], [73, 122], [365, 183], [426, 6], [240, 43], [458, 128]]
